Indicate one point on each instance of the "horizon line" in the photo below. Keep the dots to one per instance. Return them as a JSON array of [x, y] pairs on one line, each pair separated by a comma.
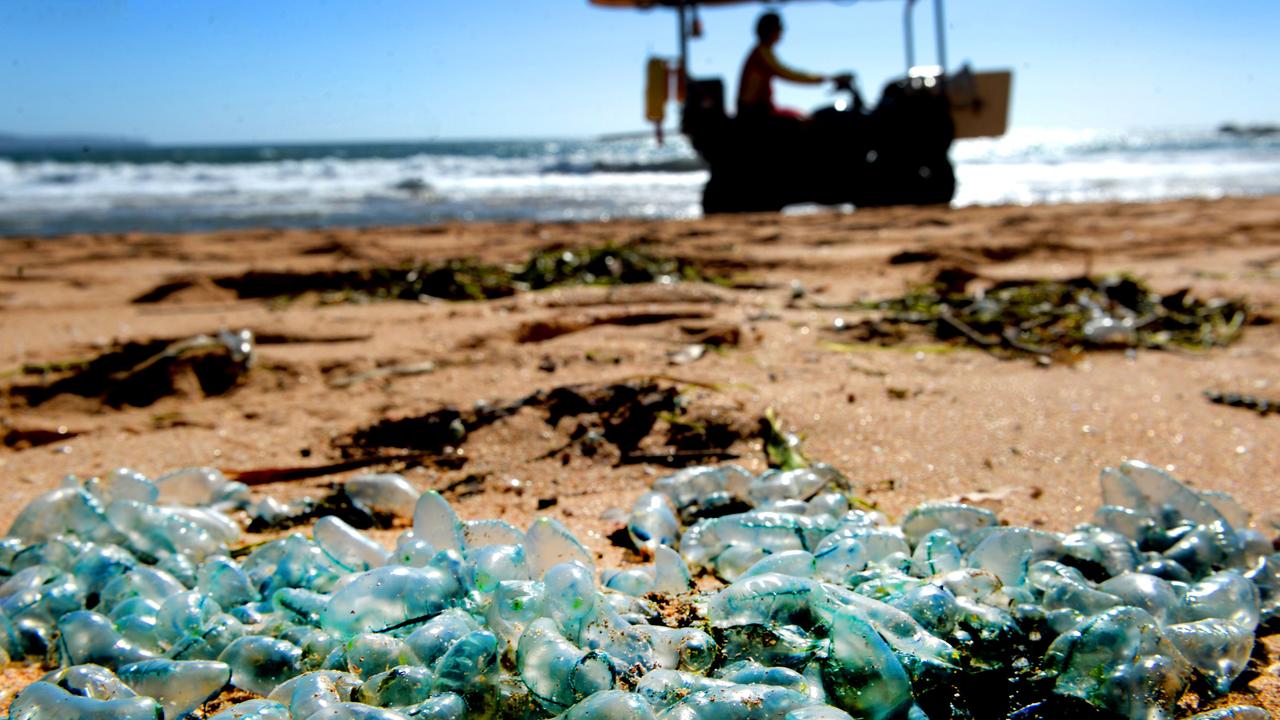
[[604, 136]]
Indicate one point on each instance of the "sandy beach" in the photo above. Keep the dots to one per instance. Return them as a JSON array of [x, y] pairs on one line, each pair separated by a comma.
[[910, 421]]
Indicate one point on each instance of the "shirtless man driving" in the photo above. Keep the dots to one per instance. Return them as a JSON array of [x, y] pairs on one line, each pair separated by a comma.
[[755, 89]]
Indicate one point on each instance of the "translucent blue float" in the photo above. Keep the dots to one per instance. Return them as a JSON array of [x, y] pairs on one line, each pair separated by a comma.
[[821, 612]]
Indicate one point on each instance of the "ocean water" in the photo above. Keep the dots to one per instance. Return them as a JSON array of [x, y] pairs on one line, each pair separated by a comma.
[[165, 189]]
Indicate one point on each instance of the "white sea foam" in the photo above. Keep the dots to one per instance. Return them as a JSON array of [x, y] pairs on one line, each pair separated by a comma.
[[1056, 166], [175, 189]]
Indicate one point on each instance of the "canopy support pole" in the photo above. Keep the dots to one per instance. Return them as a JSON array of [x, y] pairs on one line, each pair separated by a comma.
[[909, 33], [682, 18], [941, 25]]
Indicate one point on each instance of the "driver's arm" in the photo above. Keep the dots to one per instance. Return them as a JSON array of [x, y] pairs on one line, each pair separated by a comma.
[[787, 73]]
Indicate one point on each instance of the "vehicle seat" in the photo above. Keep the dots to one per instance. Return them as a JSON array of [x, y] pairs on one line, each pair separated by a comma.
[[703, 105]]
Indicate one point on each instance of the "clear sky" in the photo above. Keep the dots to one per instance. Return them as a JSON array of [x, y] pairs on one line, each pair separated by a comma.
[[296, 70]]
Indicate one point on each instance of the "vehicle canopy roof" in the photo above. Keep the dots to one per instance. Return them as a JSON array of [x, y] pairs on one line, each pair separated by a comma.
[[683, 5]]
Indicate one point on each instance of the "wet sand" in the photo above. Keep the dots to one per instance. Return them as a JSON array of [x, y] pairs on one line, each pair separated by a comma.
[[906, 423]]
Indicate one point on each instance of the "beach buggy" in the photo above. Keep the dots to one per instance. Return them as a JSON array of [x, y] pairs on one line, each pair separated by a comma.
[[893, 153]]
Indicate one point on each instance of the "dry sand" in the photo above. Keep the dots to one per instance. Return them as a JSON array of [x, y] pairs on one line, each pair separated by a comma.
[[907, 424]]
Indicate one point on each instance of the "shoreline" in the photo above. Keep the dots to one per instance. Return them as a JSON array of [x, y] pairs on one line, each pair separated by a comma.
[[210, 188], [907, 423]]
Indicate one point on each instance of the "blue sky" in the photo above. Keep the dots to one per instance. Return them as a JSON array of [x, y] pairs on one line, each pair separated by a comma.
[[295, 70]]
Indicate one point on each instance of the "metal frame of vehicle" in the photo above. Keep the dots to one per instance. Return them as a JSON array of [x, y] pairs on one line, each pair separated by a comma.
[[682, 8]]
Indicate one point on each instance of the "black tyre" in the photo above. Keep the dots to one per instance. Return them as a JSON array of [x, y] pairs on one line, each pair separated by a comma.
[[937, 183], [715, 197], [722, 196]]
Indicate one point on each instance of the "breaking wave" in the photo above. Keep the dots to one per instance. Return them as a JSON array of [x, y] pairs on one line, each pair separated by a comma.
[[209, 187]]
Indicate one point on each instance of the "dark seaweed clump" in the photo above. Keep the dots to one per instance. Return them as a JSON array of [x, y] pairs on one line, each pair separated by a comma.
[[1056, 317], [628, 422], [138, 374], [458, 279], [1261, 405], [336, 503]]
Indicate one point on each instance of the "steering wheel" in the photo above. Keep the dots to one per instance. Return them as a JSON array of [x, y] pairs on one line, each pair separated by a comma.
[[847, 82]]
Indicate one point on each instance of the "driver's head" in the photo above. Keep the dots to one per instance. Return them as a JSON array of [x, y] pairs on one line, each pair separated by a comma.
[[769, 28]]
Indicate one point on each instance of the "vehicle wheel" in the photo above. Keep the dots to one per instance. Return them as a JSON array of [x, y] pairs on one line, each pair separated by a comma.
[[721, 196], [921, 182], [716, 197], [940, 186]]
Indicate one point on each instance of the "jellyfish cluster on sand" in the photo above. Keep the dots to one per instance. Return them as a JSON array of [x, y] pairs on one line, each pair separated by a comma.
[[141, 594]]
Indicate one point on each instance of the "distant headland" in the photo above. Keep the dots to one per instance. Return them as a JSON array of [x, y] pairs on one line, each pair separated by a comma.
[[1262, 130], [10, 142]]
